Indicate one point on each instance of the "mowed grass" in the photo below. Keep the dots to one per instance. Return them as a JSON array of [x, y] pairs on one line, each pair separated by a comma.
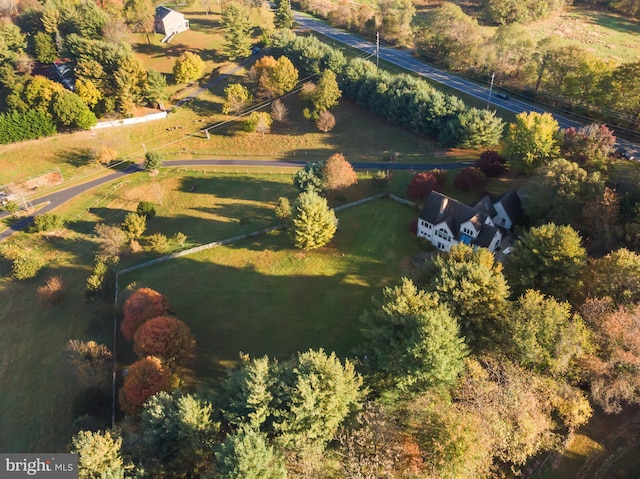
[[39, 389], [261, 296]]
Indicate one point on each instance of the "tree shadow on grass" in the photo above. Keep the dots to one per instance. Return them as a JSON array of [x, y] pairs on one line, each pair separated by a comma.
[[243, 187], [77, 156]]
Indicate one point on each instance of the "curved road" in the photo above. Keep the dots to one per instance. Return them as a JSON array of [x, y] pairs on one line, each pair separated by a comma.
[[406, 60], [54, 200]]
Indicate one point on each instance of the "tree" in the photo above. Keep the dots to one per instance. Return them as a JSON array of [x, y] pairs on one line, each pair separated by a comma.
[[491, 163], [613, 371], [558, 192], [93, 362], [314, 223], [134, 225], [159, 242], [326, 121], [472, 128], [471, 283], [140, 15], [531, 141], [188, 68], [146, 208], [153, 160], [111, 239], [247, 454], [98, 455], [236, 97], [470, 179], [396, 17], [88, 92], [589, 146], [284, 16], [548, 258], [140, 307], [26, 264], [279, 111], [421, 186], [236, 31], [545, 335], [338, 173], [326, 94], [155, 91], [165, 337], [258, 121], [178, 434], [145, 377], [616, 276], [47, 222], [283, 209], [44, 48], [310, 178], [130, 82], [276, 77], [69, 110], [413, 342]]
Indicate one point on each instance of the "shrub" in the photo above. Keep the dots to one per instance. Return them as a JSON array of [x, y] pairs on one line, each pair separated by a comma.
[[420, 186], [27, 264], [469, 179], [101, 281], [180, 239], [283, 209], [146, 208], [134, 225], [441, 177], [165, 337], [53, 290], [47, 222], [141, 306], [105, 155], [11, 207], [258, 121], [491, 163], [159, 242]]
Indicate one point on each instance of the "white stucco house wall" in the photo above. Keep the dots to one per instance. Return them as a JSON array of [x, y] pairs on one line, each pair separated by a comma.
[[445, 222], [170, 22]]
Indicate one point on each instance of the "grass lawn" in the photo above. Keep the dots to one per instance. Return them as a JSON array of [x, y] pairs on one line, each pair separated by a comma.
[[261, 296], [39, 388]]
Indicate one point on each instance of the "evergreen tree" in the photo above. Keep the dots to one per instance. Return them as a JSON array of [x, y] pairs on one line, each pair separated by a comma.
[[156, 89], [284, 15], [326, 94], [314, 223], [413, 341], [310, 178], [236, 31], [99, 455]]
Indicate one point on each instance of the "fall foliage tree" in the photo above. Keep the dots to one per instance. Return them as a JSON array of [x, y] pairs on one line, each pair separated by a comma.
[[188, 68], [338, 173], [421, 185], [276, 77], [469, 179], [491, 163], [531, 141], [326, 121], [165, 337], [111, 238], [589, 146], [145, 377], [141, 306], [616, 276], [236, 97]]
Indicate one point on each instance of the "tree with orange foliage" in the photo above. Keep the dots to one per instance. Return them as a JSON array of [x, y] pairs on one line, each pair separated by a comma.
[[141, 306], [338, 173], [165, 337], [145, 377]]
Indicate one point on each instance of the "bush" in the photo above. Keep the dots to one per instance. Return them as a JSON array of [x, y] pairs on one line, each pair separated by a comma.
[[52, 291], [258, 121], [180, 239], [491, 163], [420, 186], [159, 242], [469, 179], [134, 225], [102, 280], [47, 222], [326, 121], [27, 264], [146, 208]]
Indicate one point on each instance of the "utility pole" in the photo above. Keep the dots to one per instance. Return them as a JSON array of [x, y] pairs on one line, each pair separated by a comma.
[[377, 49], [493, 75], [144, 148]]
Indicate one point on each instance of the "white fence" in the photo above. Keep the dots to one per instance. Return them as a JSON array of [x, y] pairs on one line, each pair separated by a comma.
[[130, 121]]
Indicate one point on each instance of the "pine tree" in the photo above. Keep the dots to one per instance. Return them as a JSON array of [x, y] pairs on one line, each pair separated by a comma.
[[314, 223]]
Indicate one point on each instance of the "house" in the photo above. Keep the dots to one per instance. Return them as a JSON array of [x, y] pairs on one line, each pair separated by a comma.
[[169, 21], [445, 221]]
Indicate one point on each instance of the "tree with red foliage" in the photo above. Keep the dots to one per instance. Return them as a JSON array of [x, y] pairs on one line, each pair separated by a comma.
[[165, 337], [491, 163], [338, 173], [469, 179], [141, 306], [421, 185], [145, 377]]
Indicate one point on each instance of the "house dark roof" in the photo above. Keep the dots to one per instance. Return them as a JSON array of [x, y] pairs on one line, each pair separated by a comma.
[[162, 12], [486, 206], [511, 203], [439, 208], [487, 233]]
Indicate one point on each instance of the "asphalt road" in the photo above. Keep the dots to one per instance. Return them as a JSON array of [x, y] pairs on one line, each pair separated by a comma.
[[58, 198], [405, 59]]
